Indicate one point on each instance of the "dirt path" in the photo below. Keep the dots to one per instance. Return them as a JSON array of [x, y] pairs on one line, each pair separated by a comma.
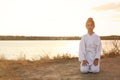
[[58, 70]]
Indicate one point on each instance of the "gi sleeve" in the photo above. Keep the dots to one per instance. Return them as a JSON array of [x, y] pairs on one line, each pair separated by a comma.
[[82, 50], [98, 49]]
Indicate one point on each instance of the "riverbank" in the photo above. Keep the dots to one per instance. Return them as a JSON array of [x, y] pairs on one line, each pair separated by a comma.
[[61, 69]]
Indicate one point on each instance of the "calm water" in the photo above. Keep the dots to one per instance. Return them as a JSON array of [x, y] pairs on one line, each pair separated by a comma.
[[35, 49]]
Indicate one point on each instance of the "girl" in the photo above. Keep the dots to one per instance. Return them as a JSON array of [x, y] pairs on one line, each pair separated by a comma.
[[90, 49]]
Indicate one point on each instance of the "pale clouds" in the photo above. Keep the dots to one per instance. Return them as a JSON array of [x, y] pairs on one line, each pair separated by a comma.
[[108, 6], [112, 9]]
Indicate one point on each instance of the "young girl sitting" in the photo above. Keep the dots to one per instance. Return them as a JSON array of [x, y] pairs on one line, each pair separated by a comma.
[[90, 49]]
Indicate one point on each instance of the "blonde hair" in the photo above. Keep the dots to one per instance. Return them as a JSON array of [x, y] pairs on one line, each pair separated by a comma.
[[90, 20]]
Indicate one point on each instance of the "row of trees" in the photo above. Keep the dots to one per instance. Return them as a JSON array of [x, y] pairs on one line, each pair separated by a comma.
[[38, 38], [53, 38]]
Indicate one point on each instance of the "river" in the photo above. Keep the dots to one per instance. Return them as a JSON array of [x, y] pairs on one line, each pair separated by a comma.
[[34, 49]]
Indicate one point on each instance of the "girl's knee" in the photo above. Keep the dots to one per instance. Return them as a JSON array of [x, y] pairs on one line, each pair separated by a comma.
[[95, 69], [84, 69]]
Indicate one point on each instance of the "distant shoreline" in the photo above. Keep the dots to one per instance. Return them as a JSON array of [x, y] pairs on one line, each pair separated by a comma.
[[114, 37]]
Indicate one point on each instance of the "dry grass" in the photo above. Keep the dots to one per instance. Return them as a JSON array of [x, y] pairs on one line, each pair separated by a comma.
[[115, 51], [63, 67], [66, 69]]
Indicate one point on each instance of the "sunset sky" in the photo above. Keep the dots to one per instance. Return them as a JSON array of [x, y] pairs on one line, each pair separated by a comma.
[[58, 17]]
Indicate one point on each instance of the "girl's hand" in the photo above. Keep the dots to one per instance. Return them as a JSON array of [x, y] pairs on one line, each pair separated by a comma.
[[96, 62], [85, 63]]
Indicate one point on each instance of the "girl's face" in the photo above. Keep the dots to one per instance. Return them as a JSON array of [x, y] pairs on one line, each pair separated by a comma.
[[90, 26]]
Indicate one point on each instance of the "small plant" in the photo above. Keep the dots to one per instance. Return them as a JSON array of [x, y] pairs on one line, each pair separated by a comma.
[[2, 57], [115, 51], [22, 57], [45, 58], [64, 56]]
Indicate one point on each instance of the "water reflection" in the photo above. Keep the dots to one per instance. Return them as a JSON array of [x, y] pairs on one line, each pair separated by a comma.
[[36, 49]]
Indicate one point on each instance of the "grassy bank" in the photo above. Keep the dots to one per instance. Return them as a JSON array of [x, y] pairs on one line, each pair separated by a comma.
[[115, 51], [57, 69], [60, 67]]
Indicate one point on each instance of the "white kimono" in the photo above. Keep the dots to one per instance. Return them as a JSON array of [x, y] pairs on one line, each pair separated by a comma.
[[90, 48]]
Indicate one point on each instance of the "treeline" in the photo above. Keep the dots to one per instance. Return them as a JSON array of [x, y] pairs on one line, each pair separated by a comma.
[[38, 38], [53, 38], [113, 37]]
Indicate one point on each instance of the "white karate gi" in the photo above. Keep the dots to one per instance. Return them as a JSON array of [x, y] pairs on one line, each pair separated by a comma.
[[89, 49]]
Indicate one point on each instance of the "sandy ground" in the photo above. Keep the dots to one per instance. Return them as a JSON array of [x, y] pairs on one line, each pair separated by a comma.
[[57, 70]]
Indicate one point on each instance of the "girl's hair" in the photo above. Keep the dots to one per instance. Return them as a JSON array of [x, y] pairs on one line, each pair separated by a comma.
[[90, 20]]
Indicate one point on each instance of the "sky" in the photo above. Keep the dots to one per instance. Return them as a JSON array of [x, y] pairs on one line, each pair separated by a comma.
[[58, 17]]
